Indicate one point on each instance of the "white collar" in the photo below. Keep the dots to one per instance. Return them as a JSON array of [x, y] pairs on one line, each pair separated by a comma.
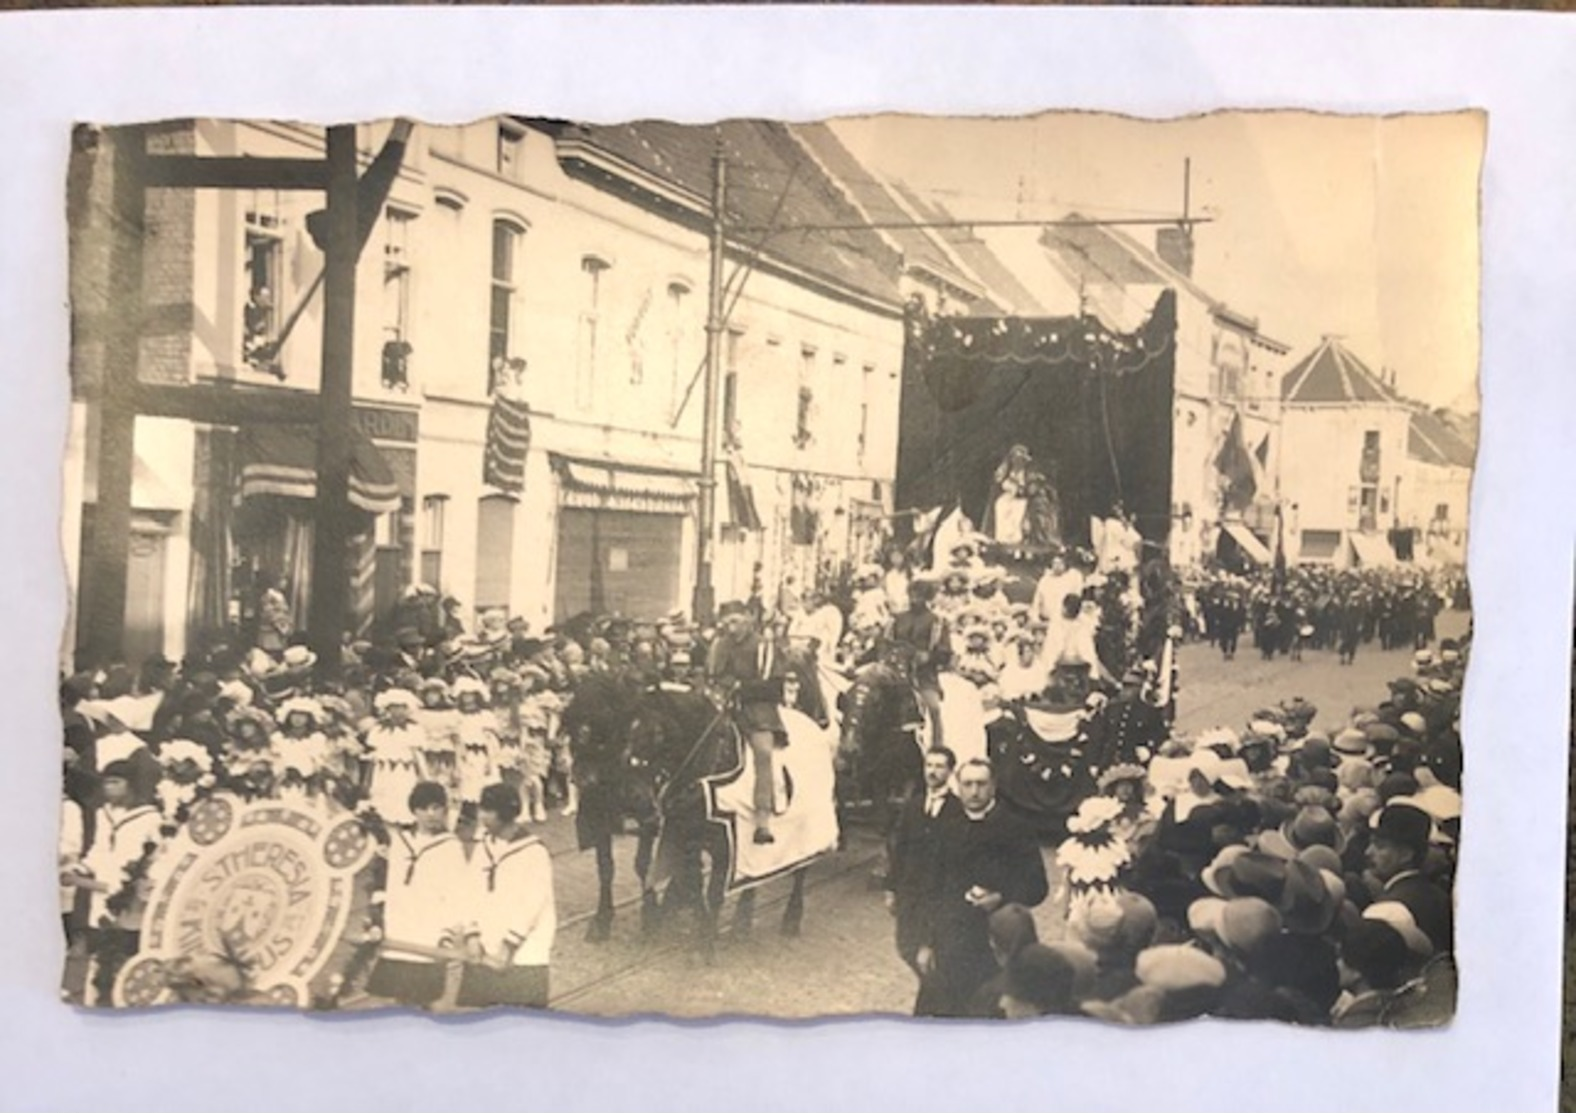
[[976, 817]]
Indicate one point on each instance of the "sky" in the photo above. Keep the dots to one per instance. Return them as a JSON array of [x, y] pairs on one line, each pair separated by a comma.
[[1362, 227]]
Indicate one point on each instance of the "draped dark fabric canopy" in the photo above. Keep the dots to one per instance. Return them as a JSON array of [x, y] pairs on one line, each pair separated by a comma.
[[1093, 407]]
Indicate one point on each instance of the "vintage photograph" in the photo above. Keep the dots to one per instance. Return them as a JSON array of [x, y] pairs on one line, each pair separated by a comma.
[[934, 567]]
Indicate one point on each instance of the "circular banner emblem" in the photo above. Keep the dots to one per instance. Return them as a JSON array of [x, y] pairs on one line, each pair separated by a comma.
[[259, 891]]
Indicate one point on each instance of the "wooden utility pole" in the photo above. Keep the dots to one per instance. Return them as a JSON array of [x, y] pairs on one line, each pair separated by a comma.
[[103, 577], [705, 600], [331, 531]]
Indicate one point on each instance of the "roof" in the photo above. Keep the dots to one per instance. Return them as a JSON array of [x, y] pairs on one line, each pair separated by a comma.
[[878, 203], [1431, 440], [1332, 375], [770, 181], [1104, 254], [1002, 284], [1099, 254]]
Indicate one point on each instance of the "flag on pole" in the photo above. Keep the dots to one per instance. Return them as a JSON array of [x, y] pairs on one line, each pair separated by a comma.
[[741, 496], [1235, 464], [508, 441], [1279, 574]]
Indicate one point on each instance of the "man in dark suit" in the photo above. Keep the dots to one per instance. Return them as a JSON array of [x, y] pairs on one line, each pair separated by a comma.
[[748, 668], [988, 859], [1397, 847], [914, 878]]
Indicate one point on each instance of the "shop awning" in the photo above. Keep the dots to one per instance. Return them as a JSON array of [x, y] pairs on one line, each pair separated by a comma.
[[1248, 543], [594, 485], [1371, 549], [281, 460]]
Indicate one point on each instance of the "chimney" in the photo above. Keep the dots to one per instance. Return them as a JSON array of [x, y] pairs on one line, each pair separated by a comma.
[[1175, 248]]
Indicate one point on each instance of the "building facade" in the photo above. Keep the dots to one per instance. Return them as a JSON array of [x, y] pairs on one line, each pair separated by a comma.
[[563, 268], [226, 369], [589, 254], [1344, 460]]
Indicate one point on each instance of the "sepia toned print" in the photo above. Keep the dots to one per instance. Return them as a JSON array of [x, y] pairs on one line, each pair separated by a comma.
[[1026, 558]]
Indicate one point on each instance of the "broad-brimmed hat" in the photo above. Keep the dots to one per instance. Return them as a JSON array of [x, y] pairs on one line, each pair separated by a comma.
[[1245, 922], [396, 697], [302, 705], [1352, 742], [297, 658], [1174, 967], [1400, 917], [1307, 905]]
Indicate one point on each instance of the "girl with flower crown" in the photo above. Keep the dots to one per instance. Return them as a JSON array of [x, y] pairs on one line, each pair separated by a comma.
[[394, 759], [439, 721], [299, 749], [188, 776], [477, 744], [1092, 858]]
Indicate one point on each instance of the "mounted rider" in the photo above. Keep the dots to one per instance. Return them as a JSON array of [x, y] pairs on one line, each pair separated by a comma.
[[921, 647], [747, 667]]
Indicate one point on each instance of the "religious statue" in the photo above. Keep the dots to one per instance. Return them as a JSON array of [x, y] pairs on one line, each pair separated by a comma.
[[1024, 507]]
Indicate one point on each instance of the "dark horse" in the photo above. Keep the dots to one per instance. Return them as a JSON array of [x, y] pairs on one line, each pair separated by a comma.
[[643, 752], [880, 763]]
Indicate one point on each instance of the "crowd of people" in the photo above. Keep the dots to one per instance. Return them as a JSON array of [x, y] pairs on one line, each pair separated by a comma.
[[1280, 870], [447, 743]]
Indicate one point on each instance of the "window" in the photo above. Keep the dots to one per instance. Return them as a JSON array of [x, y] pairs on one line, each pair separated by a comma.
[[505, 251], [1370, 461], [678, 337], [264, 269], [1368, 508], [867, 376], [510, 143], [433, 511], [1442, 512], [396, 300], [803, 434], [592, 270], [494, 551], [732, 433]]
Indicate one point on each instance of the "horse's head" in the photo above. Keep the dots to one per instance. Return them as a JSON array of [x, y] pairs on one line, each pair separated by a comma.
[[874, 686], [669, 724], [597, 723]]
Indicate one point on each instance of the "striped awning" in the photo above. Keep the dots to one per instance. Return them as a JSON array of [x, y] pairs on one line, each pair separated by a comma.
[[281, 460], [1247, 542], [1372, 550], [593, 485]]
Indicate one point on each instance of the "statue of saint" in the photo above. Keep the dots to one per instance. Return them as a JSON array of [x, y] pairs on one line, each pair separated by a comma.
[[1024, 507]]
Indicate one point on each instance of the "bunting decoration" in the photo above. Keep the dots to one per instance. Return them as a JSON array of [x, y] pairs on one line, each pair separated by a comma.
[[508, 441]]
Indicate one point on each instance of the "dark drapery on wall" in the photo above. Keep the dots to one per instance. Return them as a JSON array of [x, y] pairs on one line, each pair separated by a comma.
[[1093, 408]]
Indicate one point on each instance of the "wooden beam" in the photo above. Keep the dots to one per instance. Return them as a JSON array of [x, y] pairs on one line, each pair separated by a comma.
[[102, 584], [195, 172], [214, 404]]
